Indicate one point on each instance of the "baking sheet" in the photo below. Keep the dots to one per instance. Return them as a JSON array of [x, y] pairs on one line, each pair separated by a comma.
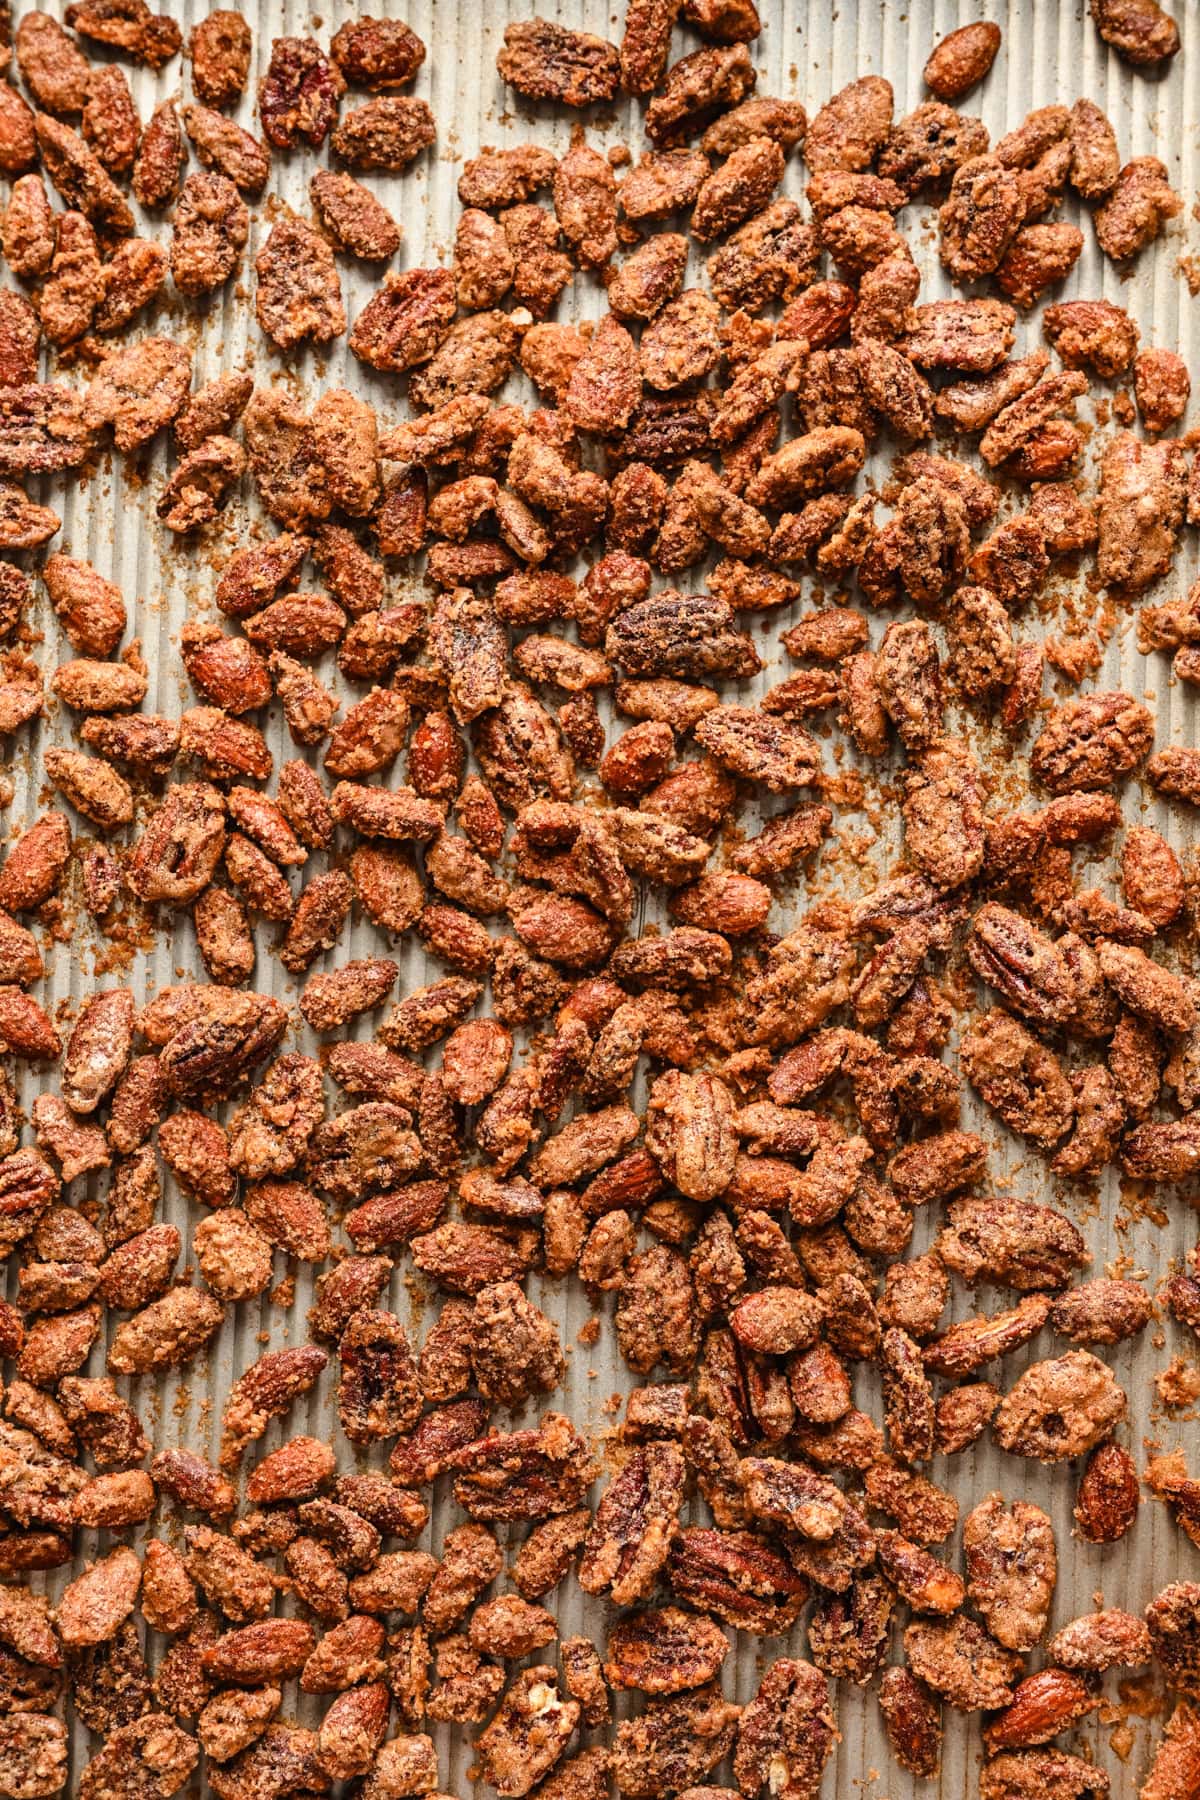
[[1050, 52]]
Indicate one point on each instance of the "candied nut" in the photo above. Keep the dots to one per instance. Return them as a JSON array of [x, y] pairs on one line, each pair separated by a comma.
[[1095, 161], [299, 294], [793, 1496], [1108, 1496], [961, 1663], [219, 49], [405, 321], [1161, 388], [756, 1307], [266, 1651], [1011, 1569], [530, 1731], [546, 61], [377, 53], [232, 1721], [298, 95], [960, 61], [1140, 31], [912, 1721], [787, 1733], [1060, 1408], [980, 218], [776, 1320], [735, 1575], [1018, 1077], [664, 1651], [974, 1342], [675, 1741], [547, 1553], [142, 35], [1141, 505], [1099, 1641], [95, 1604], [510, 1627], [1017, 1242], [630, 1537], [919, 1578], [1136, 208], [193, 1483], [1043, 1705], [160, 158], [1102, 1312], [1046, 1771], [52, 64], [1026, 968]]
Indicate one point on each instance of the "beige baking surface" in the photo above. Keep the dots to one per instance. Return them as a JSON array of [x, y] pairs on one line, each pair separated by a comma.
[[1050, 52]]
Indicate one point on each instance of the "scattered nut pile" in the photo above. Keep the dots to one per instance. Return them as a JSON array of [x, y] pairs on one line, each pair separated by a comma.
[[753, 1218]]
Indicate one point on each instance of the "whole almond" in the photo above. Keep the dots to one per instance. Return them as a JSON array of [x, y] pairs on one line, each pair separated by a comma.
[[962, 59]]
